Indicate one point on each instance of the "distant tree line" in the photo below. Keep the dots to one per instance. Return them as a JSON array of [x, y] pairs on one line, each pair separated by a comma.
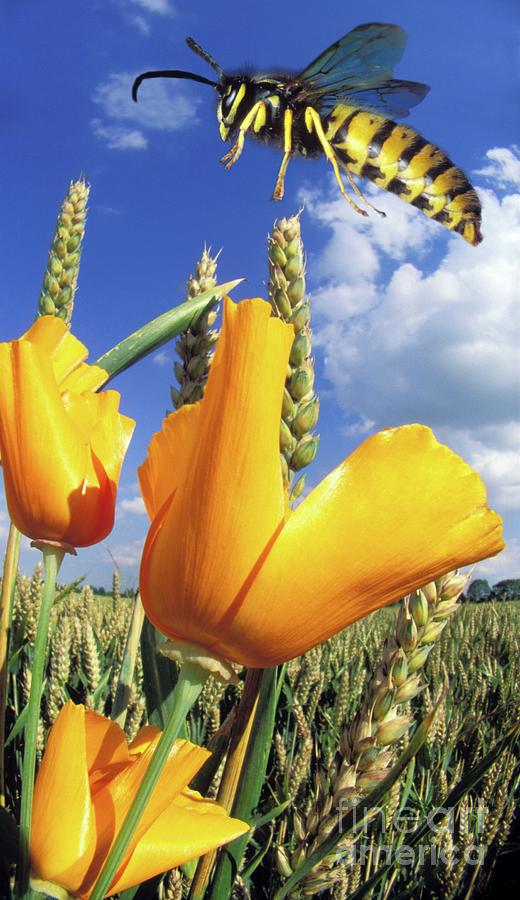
[[480, 590]]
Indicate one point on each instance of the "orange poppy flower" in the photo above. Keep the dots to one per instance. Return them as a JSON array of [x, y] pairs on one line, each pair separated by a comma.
[[61, 444], [86, 783], [228, 567]]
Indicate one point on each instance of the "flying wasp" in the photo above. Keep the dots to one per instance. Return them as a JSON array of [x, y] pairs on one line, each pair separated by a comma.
[[343, 105]]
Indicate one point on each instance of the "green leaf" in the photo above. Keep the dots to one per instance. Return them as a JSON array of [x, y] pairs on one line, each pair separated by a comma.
[[18, 726], [126, 674], [160, 330], [159, 678], [250, 784]]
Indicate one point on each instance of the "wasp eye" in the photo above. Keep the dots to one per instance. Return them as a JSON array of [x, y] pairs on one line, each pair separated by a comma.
[[229, 99]]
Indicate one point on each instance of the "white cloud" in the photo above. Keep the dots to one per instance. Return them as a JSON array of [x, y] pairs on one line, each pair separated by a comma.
[[163, 106], [434, 340], [161, 7], [117, 137], [4, 524], [140, 23], [162, 358], [128, 554], [135, 506], [505, 565], [503, 166]]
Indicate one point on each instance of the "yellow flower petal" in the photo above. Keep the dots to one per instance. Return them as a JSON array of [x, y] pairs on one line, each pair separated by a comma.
[[61, 453], [230, 500], [113, 801], [399, 512], [87, 781], [63, 838], [52, 336], [226, 568], [188, 828], [169, 457]]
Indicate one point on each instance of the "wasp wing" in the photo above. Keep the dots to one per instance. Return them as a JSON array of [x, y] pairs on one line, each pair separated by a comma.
[[358, 68]]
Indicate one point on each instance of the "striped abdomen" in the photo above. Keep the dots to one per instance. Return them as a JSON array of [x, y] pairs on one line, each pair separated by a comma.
[[399, 160]]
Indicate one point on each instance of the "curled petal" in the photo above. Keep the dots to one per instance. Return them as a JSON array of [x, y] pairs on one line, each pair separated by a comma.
[[188, 828], [399, 512], [229, 502], [63, 837]]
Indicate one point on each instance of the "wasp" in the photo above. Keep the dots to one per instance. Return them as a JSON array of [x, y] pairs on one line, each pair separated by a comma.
[[343, 105]]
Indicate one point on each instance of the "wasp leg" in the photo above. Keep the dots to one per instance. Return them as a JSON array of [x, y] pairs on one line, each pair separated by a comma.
[[360, 193], [258, 110], [312, 120], [287, 146]]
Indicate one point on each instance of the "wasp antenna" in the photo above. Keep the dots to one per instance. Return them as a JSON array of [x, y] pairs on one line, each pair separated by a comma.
[[170, 73], [205, 56]]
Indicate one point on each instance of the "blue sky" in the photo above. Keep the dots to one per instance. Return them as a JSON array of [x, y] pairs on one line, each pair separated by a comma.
[[410, 323]]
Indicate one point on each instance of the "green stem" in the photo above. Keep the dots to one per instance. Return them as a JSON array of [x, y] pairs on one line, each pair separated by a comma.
[[189, 685], [12, 553], [52, 557]]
